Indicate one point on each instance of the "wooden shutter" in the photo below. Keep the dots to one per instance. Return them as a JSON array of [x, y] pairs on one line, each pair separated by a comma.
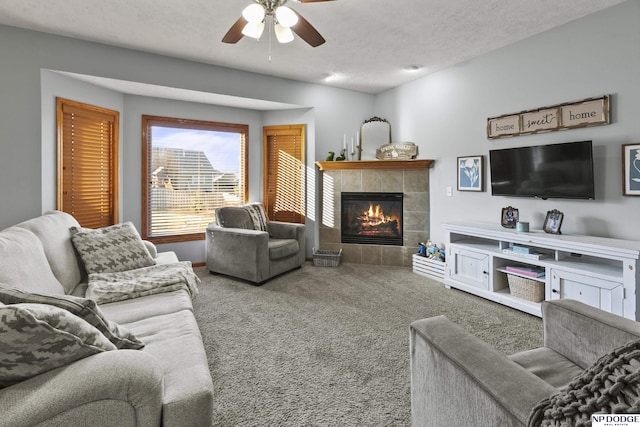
[[284, 173], [87, 163]]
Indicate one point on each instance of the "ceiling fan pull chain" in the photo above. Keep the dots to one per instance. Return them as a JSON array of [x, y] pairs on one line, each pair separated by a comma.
[[270, 31]]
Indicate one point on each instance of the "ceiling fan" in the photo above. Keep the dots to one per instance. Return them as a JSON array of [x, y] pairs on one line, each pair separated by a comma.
[[286, 21]]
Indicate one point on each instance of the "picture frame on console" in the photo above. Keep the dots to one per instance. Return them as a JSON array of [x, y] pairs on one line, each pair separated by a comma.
[[553, 222], [471, 173], [631, 169], [510, 216]]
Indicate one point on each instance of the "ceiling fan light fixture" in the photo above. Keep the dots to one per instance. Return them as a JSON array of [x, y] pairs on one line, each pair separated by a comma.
[[286, 16], [283, 34], [254, 13], [253, 30]]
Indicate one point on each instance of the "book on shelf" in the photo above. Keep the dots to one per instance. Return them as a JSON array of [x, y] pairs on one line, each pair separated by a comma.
[[522, 249], [526, 271], [534, 255]]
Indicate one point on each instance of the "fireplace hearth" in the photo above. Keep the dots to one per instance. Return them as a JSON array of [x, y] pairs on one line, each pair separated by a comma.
[[371, 218]]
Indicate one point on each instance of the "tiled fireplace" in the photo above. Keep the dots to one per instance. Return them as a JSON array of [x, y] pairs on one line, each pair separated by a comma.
[[402, 219]]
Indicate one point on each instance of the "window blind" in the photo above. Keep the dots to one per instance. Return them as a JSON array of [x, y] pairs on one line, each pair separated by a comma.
[[87, 164], [284, 173], [191, 168]]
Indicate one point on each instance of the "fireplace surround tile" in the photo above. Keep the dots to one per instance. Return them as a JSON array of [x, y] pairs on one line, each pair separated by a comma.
[[413, 183]]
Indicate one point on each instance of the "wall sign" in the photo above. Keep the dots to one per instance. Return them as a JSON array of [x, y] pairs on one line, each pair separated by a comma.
[[578, 114], [397, 151]]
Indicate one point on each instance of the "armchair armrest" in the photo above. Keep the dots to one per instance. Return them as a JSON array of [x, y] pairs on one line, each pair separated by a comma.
[[85, 392], [457, 379], [582, 333], [285, 230], [238, 252]]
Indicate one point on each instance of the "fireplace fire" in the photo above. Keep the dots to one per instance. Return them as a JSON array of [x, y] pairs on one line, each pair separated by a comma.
[[372, 218]]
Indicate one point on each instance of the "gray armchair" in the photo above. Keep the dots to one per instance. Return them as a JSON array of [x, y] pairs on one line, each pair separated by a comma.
[[235, 248], [457, 379]]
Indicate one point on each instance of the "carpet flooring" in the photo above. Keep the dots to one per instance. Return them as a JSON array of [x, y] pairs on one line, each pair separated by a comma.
[[330, 346]]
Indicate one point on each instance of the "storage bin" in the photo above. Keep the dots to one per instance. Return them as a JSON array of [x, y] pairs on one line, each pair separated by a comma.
[[528, 289], [326, 258]]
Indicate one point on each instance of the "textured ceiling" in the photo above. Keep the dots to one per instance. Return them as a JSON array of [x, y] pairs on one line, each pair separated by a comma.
[[368, 42]]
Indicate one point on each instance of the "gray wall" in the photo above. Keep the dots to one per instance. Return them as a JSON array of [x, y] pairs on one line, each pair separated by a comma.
[[446, 113], [27, 140]]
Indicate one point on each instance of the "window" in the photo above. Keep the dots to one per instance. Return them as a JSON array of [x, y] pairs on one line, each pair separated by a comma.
[[190, 168], [284, 173], [87, 162]]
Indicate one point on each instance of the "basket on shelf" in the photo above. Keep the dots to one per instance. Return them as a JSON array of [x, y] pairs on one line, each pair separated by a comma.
[[326, 258], [521, 287]]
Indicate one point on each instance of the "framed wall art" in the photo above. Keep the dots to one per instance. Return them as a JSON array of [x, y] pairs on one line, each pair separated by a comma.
[[631, 169], [470, 173]]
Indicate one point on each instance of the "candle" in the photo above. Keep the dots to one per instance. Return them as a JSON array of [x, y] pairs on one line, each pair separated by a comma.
[[344, 141], [353, 148], [358, 138]]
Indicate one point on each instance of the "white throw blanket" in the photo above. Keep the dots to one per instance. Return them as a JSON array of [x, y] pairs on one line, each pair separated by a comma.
[[111, 287]]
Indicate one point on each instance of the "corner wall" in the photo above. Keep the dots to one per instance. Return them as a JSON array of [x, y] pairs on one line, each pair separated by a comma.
[[445, 115]]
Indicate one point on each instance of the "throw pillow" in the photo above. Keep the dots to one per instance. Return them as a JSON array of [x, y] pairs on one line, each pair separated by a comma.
[[258, 216], [86, 309], [610, 386], [39, 337], [111, 249]]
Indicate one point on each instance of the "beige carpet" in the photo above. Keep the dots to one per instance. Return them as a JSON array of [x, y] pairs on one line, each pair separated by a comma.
[[330, 346]]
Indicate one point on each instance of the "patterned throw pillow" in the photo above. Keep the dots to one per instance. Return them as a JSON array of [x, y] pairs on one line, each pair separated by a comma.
[[258, 216], [111, 249], [39, 337], [86, 309]]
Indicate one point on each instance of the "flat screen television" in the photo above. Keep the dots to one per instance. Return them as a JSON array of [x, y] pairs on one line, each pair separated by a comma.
[[563, 171]]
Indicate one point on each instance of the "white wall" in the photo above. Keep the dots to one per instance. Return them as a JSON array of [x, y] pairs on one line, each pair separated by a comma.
[[445, 114]]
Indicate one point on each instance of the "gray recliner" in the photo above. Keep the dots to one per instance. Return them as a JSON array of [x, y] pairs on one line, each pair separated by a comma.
[[459, 380], [235, 248]]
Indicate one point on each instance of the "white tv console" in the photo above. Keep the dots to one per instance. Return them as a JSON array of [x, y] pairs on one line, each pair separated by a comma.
[[598, 271]]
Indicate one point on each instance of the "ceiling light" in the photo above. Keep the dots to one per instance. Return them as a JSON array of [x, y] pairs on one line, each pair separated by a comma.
[[327, 76], [261, 11], [413, 67], [283, 34], [253, 30], [286, 16], [254, 13]]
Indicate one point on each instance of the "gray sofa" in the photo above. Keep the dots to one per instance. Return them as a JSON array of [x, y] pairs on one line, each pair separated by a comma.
[[165, 383], [235, 247], [457, 379]]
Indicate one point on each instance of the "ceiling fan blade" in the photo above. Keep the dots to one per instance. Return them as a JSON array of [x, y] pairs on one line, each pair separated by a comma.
[[235, 32], [306, 31]]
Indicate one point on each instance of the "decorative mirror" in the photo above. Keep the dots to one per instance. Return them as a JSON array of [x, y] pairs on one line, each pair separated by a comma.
[[374, 132]]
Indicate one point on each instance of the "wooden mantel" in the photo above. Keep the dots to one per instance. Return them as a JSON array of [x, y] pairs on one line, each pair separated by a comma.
[[374, 164]]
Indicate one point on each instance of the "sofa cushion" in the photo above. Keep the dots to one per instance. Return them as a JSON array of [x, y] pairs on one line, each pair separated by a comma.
[[39, 337], [86, 309], [52, 229], [282, 248], [548, 365], [111, 249], [24, 264], [131, 310], [174, 340], [258, 216], [234, 217]]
